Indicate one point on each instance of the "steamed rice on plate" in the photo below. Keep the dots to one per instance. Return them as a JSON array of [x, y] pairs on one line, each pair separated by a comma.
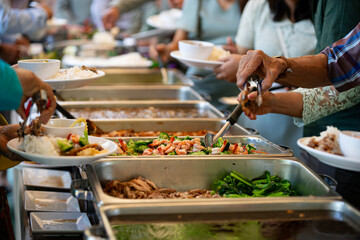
[[75, 73], [218, 53], [327, 142]]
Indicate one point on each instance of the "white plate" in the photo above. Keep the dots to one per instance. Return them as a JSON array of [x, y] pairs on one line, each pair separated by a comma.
[[45, 178], [50, 201], [338, 161], [155, 22], [13, 146], [195, 62], [72, 83], [42, 222], [166, 20], [56, 22], [112, 62]]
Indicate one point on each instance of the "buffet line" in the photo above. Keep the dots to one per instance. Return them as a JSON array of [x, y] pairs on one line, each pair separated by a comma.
[[196, 196]]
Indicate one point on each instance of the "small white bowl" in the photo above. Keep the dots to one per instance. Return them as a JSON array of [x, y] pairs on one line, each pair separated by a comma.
[[195, 49], [350, 143], [43, 68], [61, 128]]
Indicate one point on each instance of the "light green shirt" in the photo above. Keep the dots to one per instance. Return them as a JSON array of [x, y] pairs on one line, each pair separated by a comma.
[[10, 88], [216, 24]]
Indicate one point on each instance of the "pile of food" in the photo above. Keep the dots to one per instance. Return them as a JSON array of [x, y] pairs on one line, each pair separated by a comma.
[[327, 142], [141, 188], [218, 53], [133, 133], [166, 145], [75, 73], [138, 112], [233, 185], [74, 145]]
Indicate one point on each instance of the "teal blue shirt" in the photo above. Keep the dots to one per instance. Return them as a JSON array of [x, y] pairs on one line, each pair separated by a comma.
[[10, 88], [216, 23]]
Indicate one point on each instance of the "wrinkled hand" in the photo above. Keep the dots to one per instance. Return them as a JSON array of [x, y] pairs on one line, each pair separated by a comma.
[[31, 84], [252, 109], [257, 62], [230, 46], [161, 50], [110, 17], [10, 53], [7, 133], [228, 69]]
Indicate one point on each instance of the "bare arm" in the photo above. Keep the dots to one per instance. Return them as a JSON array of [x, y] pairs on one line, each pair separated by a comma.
[[307, 71]]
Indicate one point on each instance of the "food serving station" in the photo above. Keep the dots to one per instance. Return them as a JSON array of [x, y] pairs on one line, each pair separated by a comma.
[[71, 203]]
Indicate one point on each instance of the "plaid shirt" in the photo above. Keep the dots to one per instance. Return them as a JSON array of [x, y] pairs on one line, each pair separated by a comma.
[[344, 61]]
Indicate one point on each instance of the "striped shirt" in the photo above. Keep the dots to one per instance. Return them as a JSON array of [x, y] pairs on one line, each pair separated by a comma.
[[344, 61]]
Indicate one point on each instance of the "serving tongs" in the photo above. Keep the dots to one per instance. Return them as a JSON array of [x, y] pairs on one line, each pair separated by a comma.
[[41, 101], [253, 85]]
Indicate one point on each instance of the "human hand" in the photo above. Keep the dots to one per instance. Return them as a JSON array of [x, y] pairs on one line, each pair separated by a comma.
[[31, 84], [230, 46], [175, 3], [228, 69], [7, 133], [251, 108], [110, 17], [257, 62], [10, 53], [159, 50]]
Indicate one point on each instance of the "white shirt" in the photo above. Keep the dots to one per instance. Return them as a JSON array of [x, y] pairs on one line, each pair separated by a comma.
[[257, 30]]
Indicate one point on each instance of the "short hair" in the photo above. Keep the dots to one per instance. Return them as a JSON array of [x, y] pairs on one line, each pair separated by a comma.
[[280, 9]]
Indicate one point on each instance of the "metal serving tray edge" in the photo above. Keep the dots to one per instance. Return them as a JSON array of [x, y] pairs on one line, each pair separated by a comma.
[[130, 92], [196, 173]]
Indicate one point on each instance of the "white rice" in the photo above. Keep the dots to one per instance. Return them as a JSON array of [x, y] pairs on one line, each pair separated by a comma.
[[43, 145], [218, 53], [73, 73]]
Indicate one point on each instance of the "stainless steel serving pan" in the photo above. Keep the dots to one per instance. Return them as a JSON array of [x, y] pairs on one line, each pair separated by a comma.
[[203, 108], [281, 219], [258, 141], [194, 173], [129, 92], [167, 125], [116, 76]]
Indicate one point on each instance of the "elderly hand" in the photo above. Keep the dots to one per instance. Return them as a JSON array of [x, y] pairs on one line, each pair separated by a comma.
[[252, 109], [110, 17], [7, 133], [230, 46], [31, 84], [257, 62], [228, 69], [160, 50]]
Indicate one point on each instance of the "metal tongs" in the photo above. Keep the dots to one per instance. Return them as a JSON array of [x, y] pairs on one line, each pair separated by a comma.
[[253, 84], [41, 101]]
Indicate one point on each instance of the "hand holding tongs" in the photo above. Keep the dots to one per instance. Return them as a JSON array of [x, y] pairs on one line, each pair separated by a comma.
[[41, 101], [255, 85]]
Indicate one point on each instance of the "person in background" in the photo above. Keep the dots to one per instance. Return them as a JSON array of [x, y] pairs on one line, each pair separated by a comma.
[[75, 11], [211, 21], [277, 27], [119, 7], [15, 23]]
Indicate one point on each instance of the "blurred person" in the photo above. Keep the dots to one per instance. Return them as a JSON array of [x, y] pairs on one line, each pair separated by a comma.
[[75, 11], [14, 24], [278, 27], [119, 7], [211, 21]]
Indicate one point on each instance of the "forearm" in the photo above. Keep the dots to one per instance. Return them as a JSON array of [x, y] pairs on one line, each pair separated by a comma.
[[179, 35], [307, 72], [288, 103]]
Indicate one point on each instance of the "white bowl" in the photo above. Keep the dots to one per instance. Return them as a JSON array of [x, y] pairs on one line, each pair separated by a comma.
[[43, 68], [61, 128], [195, 49], [350, 143]]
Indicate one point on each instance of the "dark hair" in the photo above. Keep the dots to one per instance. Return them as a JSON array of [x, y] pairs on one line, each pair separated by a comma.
[[280, 9], [242, 4]]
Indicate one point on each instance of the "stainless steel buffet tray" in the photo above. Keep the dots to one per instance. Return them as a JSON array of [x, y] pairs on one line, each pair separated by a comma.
[[168, 125], [311, 219], [129, 92], [201, 108], [259, 142], [134, 76], [194, 173]]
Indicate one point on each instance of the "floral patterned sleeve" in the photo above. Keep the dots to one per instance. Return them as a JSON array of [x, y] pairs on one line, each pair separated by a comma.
[[321, 102]]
